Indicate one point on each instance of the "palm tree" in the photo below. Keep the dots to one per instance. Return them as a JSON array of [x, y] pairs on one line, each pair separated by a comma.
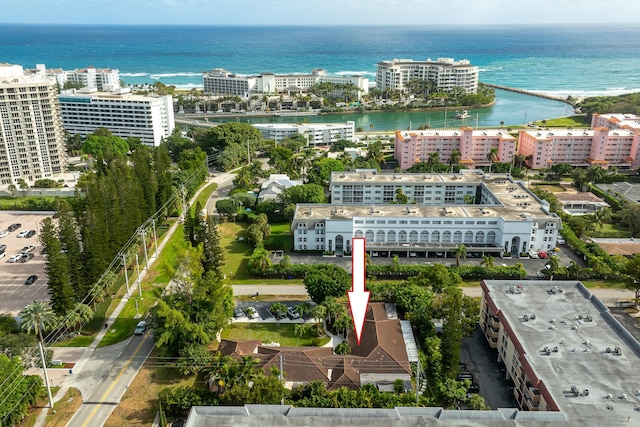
[[333, 309], [299, 330], [519, 160], [492, 157], [342, 323], [554, 265], [433, 160], [319, 312], [80, 315], [595, 174], [304, 309], [278, 310], [454, 159], [601, 216], [38, 316], [342, 348], [488, 261], [460, 252]]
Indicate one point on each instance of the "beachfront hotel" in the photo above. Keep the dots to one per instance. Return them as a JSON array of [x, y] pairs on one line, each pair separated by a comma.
[[488, 213], [563, 349], [32, 144], [615, 121], [100, 79], [446, 73], [149, 118], [317, 134], [222, 82], [474, 146], [600, 146]]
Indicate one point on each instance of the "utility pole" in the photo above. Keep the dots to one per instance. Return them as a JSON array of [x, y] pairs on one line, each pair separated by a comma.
[[126, 275], [139, 281], [44, 370], [418, 379], [281, 377], [144, 246], [155, 237]]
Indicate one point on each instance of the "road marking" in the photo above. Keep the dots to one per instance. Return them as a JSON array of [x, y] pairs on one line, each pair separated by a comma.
[[106, 393]]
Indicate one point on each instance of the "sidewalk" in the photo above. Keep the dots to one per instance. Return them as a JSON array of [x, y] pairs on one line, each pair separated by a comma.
[[66, 380]]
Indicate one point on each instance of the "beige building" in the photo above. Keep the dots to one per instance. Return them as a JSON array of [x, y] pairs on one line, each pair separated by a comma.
[[32, 144], [563, 349]]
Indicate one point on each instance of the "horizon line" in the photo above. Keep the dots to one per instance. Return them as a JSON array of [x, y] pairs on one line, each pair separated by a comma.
[[502, 25]]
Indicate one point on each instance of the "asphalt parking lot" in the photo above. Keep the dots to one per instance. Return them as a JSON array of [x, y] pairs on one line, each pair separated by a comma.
[[262, 308], [14, 294]]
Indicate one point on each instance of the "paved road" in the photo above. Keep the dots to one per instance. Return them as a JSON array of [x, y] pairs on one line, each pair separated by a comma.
[[105, 378]]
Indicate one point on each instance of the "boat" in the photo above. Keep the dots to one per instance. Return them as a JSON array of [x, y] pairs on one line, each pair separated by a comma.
[[464, 114]]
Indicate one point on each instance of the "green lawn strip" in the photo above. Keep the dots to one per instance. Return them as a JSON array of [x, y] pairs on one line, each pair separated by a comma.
[[126, 322], [610, 284], [204, 195], [552, 188], [8, 202], [266, 282], [237, 253], [269, 332], [169, 258], [572, 121]]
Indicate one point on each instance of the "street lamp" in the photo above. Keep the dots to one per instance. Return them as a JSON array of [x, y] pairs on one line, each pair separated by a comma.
[[144, 246]]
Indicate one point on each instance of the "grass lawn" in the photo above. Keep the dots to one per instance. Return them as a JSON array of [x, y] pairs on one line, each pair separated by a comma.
[[34, 410], [552, 188], [139, 404], [126, 322], [266, 282], [280, 238], [237, 253], [64, 408], [15, 202], [269, 332], [603, 284], [612, 231], [573, 121], [90, 330], [168, 260], [204, 195]]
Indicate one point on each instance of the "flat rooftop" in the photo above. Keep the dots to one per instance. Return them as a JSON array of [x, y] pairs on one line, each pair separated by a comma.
[[573, 133], [515, 201], [496, 133], [630, 191], [562, 322]]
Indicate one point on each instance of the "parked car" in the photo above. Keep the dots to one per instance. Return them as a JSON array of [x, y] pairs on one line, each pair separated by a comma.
[[277, 314], [15, 257], [251, 313], [23, 233], [474, 389], [14, 227], [3, 248], [464, 376], [3, 254], [292, 313], [238, 314], [561, 241], [533, 255], [28, 248], [543, 255], [140, 327], [26, 257], [4, 233], [31, 279], [30, 233]]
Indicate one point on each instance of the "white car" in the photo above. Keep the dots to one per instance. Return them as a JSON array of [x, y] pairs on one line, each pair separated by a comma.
[[15, 257], [4, 233], [23, 233], [561, 241], [533, 254]]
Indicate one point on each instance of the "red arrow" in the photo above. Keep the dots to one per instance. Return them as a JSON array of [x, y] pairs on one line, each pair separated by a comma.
[[358, 296]]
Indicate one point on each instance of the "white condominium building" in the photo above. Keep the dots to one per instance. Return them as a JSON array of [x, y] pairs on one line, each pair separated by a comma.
[[223, 82], [100, 79], [149, 118], [489, 214], [318, 134], [32, 144], [446, 73]]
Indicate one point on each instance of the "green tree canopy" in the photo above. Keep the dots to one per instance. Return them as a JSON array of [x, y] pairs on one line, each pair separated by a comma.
[[306, 193], [228, 134], [327, 281], [102, 142]]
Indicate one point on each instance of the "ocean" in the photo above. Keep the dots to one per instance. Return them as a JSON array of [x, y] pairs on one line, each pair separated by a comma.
[[562, 60]]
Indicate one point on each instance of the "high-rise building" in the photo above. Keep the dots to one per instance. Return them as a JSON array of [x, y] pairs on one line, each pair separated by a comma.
[[149, 118], [101, 79], [317, 134], [32, 144], [445, 73]]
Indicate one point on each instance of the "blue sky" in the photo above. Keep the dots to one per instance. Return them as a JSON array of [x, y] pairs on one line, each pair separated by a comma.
[[314, 12]]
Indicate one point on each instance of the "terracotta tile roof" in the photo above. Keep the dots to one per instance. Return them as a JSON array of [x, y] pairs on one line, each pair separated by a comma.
[[238, 348]]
